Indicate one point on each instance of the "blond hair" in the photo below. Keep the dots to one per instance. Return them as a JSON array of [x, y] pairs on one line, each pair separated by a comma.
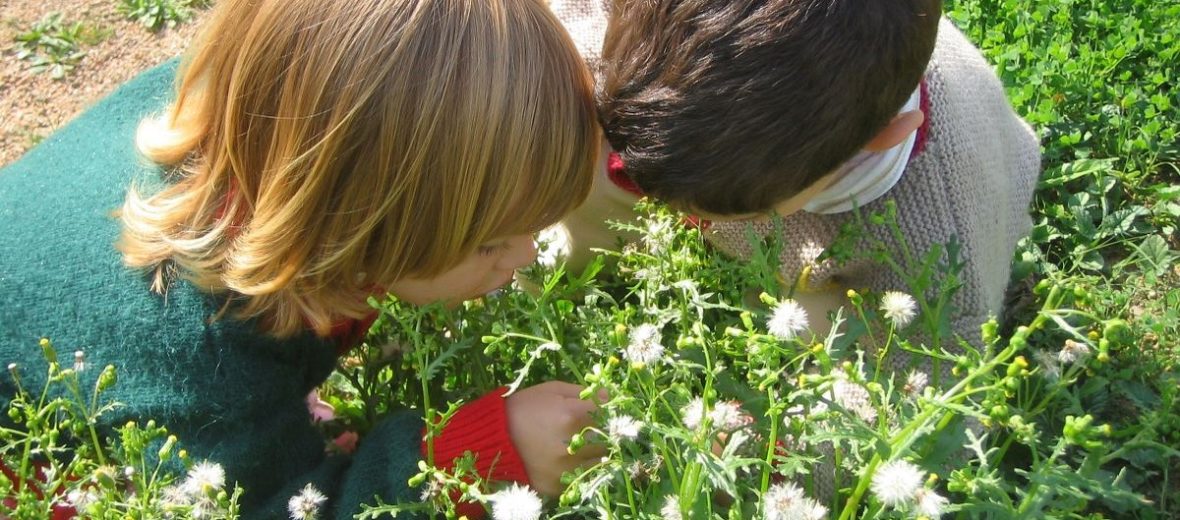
[[323, 148]]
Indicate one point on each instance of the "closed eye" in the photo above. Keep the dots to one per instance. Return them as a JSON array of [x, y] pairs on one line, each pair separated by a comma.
[[491, 249]]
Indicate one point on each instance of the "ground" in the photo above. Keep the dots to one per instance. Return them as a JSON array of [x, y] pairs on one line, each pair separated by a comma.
[[33, 105]]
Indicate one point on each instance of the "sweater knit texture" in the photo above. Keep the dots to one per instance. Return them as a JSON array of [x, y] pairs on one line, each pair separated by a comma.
[[231, 394], [973, 180]]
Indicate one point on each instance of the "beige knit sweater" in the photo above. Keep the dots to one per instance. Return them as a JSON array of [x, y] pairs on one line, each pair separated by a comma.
[[973, 179]]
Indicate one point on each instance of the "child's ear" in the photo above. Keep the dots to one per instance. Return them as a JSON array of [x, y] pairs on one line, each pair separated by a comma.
[[896, 131]]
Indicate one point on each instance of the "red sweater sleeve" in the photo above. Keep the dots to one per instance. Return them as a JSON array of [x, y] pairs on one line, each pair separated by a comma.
[[480, 427]]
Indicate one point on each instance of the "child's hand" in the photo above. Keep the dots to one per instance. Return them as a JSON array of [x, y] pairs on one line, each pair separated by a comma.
[[541, 420]]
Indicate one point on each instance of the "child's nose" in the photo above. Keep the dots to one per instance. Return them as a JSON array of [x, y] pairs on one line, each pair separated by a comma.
[[522, 251]]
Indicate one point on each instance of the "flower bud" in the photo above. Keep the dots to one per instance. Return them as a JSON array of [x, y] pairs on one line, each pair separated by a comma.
[[747, 320], [989, 331], [854, 297], [47, 350], [767, 299], [1042, 286], [167, 447], [576, 443], [108, 378]]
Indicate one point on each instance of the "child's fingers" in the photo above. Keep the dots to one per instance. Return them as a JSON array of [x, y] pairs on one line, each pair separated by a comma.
[[562, 388], [579, 411]]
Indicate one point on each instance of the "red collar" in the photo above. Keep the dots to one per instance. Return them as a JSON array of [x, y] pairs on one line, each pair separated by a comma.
[[924, 130], [617, 173]]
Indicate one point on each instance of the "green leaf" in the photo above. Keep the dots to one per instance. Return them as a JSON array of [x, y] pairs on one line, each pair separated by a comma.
[[1152, 255]]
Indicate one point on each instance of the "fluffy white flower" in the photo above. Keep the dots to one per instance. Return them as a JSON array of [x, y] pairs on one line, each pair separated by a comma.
[[1073, 351], [728, 416], [897, 482], [693, 413], [658, 237], [915, 382], [671, 509], [929, 503], [306, 505], [899, 307], [853, 398], [623, 427], [548, 346], [786, 501], [516, 503], [1050, 364], [81, 498], [787, 320], [203, 479], [644, 345]]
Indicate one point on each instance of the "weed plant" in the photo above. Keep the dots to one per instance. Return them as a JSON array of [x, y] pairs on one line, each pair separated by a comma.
[[722, 403], [51, 45]]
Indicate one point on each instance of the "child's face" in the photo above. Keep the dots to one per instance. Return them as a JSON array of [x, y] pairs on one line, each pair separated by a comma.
[[484, 271]]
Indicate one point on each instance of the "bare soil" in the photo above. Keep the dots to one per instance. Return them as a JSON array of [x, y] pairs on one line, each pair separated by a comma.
[[33, 105]]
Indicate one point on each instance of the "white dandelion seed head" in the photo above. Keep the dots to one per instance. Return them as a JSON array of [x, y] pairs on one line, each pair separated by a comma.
[[896, 482], [729, 416], [82, 498], [929, 503], [658, 237], [1050, 364], [644, 345], [176, 496], [431, 491], [786, 501], [203, 478], [899, 307], [306, 504], [516, 503], [203, 508], [693, 413], [853, 398], [1073, 352], [787, 320], [915, 382], [671, 508], [623, 427]]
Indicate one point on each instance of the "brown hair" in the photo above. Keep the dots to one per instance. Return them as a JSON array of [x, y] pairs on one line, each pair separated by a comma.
[[731, 106], [323, 148]]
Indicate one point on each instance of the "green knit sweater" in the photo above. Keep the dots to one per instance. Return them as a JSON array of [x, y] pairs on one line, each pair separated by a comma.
[[230, 394]]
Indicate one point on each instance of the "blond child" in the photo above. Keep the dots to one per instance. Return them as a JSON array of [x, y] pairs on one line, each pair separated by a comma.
[[315, 153]]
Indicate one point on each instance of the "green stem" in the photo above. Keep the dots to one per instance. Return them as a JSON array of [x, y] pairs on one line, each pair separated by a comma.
[[773, 439]]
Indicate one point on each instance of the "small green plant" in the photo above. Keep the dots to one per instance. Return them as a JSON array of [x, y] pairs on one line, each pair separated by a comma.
[[158, 14], [57, 460], [51, 45]]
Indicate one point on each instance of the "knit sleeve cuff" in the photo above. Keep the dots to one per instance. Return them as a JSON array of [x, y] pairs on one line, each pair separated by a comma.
[[480, 427]]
